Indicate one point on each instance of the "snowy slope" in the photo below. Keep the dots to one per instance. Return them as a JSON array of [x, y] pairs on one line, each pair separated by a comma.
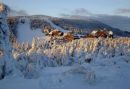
[[54, 25], [25, 34]]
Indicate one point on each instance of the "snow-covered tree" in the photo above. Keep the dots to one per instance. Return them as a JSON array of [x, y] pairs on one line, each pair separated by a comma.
[[6, 64]]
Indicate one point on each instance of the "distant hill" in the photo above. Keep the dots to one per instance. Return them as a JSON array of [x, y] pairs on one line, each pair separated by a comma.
[[120, 22], [87, 25], [76, 26]]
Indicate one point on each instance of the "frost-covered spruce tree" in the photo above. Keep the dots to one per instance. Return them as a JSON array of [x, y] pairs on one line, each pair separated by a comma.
[[6, 64]]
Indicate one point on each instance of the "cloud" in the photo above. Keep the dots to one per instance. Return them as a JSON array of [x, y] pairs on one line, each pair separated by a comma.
[[76, 13], [17, 13], [81, 11], [122, 11], [64, 15]]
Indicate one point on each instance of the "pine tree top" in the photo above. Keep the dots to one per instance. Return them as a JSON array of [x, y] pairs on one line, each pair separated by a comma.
[[4, 9]]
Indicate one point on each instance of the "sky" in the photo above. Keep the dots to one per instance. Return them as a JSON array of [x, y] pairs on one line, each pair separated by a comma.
[[76, 7]]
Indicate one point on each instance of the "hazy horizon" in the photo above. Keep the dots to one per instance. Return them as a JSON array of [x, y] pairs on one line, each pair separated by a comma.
[[70, 7]]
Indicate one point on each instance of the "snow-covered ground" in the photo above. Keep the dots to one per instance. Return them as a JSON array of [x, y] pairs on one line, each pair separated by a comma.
[[115, 76], [26, 34], [65, 67]]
